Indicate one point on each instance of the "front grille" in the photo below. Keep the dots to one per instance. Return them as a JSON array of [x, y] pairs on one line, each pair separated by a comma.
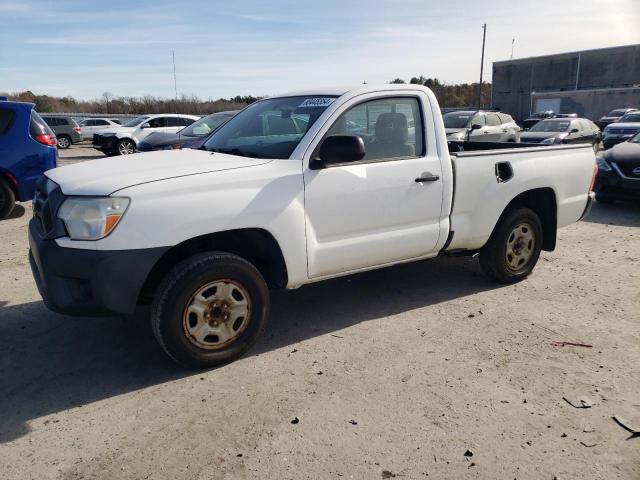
[[627, 169], [623, 131], [46, 202], [531, 140]]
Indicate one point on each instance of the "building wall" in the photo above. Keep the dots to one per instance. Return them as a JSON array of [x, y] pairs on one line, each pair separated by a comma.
[[607, 68]]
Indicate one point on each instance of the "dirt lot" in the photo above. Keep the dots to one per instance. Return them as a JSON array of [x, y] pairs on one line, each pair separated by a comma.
[[393, 373]]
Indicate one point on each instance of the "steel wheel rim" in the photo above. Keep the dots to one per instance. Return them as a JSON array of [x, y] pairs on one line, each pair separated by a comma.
[[521, 244], [125, 148], [216, 314], [63, 142]]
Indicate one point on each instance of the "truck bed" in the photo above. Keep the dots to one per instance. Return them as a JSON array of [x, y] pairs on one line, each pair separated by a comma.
[[488, 176]]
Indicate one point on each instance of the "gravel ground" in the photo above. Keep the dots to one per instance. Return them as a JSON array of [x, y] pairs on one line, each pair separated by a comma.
[[426, 370]]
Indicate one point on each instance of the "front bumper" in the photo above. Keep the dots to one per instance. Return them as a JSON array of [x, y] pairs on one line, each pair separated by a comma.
[[612, 140], [105, 144], [612, 185], [89, 282]]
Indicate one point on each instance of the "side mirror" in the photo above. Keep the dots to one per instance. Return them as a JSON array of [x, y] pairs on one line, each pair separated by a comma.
[[340, 149], [476, 126], [574, 130], [145, 125]]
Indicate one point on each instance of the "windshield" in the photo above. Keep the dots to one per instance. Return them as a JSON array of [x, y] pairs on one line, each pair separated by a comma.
[[270, 128], [457, 119], [616, 113], [135, 122], [206, 125], [551, 126], [631, 117]]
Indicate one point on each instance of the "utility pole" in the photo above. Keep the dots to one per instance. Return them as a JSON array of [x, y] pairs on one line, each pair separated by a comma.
[[484, 35], [175, 83], [513, 40]]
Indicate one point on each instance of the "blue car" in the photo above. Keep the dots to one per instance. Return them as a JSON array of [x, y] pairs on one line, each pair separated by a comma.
[[27, 150]]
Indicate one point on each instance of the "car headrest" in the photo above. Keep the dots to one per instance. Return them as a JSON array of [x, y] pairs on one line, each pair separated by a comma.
[[392, 128]]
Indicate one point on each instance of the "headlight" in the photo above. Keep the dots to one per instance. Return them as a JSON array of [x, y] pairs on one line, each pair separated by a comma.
[[549, 140], [603, 164], [92, 218]]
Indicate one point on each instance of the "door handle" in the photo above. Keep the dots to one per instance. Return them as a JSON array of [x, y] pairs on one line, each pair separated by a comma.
[[427, 177]]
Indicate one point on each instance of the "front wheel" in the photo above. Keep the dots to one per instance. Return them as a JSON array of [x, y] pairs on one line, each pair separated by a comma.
[[514, 246], [126, 147], [7, 199], [210, 309]]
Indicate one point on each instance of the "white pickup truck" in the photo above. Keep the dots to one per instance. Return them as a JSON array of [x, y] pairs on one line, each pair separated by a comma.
[[294, 189]]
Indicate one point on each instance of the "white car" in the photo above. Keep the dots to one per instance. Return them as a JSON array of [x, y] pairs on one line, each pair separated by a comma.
[[294, 189], [122, 140], [89, 126], [480, 126]]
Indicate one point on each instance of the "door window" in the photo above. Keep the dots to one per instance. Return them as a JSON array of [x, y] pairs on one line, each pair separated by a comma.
[[175, 122], [101, 122], [493, 120], [159, 122], [390, 127], [478, 119]]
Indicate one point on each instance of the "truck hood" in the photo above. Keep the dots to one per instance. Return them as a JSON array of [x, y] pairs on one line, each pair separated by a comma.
[[449, 131], [108, 175], [113, 130]]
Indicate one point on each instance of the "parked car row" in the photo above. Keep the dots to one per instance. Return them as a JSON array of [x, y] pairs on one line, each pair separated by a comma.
[[491, 126], [144, 133], [123, 139], [622, 130]]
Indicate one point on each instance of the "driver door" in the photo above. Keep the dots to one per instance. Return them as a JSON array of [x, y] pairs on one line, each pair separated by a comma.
[[375, 211]]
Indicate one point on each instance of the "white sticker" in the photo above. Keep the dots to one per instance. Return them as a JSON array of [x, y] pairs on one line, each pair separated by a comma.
[[316, 102]]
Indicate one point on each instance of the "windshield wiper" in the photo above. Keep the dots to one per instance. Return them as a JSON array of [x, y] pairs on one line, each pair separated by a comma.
[[235, 151]]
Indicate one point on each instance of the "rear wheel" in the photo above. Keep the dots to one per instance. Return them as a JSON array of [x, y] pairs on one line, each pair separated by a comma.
[[210, 309], [7, 199], [126, 147], [514, 246], [64, 142]]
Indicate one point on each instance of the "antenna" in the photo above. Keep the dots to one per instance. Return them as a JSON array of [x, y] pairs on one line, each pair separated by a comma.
[[513, 41]]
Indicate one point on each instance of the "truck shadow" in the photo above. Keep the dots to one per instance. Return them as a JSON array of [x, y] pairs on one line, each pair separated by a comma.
[[625, 214], [50, 363]]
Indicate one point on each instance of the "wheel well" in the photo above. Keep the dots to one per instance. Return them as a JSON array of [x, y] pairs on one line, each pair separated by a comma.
[[253, 244], [5, 177], [543, 202]]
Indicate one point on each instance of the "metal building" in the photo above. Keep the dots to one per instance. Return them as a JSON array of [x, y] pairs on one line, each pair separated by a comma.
[[589, 83]]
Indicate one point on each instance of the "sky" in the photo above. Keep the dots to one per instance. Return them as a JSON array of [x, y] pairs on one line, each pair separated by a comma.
[[257, 47]]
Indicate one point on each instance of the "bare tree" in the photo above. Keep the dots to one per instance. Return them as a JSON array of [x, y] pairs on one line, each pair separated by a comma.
[[107, 96]]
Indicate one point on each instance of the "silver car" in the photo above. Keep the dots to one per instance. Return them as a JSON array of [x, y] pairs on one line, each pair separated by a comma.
[[481, 126]]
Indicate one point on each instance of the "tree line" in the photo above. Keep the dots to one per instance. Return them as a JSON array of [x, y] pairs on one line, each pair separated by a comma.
[[147, 104], [448, 95], [453, 95]]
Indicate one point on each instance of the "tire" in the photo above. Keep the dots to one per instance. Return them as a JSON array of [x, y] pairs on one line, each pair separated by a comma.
[[210, 309], [514, 246], [7, 199], [64, 142], [126, 146]]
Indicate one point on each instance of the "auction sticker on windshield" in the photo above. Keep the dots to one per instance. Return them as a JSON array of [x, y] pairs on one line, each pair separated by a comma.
[[317, 102]]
